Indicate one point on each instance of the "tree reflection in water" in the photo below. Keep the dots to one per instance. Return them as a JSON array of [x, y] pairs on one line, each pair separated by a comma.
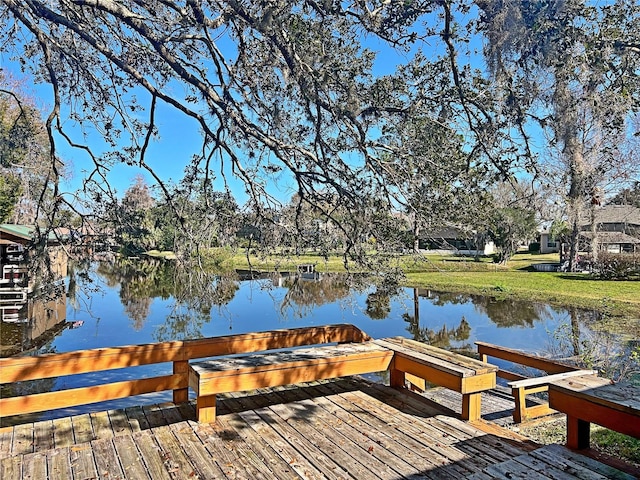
[[195, 291], [305, 294], [504, 312]]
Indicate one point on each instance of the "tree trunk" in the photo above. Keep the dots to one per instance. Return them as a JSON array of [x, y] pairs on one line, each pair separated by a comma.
[[416, 235]]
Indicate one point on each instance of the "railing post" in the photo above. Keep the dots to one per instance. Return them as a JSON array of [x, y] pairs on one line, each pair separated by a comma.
[[181, 395]]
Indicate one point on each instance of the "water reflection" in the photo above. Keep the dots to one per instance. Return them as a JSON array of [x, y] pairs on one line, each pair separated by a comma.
[[504, 312], [32, 322], [160, 301]]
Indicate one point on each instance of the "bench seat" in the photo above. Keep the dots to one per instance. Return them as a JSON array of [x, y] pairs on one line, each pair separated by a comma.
[[419, 363], [587, 398], [233, 374]]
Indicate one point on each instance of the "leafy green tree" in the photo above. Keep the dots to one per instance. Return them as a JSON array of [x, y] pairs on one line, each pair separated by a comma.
[[134, 227], [569, 69], [26, 180], [510, 226], [10, 192], [438, 181], [278, 89]]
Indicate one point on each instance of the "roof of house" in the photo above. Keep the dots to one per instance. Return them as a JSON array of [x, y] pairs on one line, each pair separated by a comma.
[[13, 233], [618, 214]]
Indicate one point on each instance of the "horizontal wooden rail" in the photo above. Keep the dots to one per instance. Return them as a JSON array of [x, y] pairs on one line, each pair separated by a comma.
[[18, 369], [514, 356], [522, 386]]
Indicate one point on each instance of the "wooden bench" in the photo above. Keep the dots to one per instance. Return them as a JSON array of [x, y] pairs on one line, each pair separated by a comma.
[[138, 381], [418, 363], [587, 399], [520, 385], [211, 377], [521, 388]]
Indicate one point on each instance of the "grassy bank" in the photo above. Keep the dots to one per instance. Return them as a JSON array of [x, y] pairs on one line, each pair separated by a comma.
[[517, 279]]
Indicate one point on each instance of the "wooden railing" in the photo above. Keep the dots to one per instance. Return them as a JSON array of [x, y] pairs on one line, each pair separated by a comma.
[[522, 386], [486, 350], [19, 369]]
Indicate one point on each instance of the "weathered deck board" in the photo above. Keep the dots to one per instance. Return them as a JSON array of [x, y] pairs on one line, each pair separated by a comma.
[[341, 429], [107, 463]]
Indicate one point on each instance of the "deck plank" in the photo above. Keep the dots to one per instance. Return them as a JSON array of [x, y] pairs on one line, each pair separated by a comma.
[[43, 436], [513, 470], [237, 458], [136, 419], [378, 430], [131, 459], [498, 450], [258, 453], [82, 429], [82, 461], [106, 457], [62, 432], [58, 465], [34, 466], [587, 467], [120, 424], [348, 428], [360, 456], [22, 439], [548, 469], [101, 425], [11, 468], [225, 448], [175, 460], [6, 437], [190, 443], [291, 447]]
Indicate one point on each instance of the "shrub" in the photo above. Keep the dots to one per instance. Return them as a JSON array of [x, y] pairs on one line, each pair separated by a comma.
[[618, 266], [534, 247]]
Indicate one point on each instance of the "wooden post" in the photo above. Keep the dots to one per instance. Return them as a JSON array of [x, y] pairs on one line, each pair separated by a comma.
[[520, 411], [206, 409], [396, 377], [471, 406], [181, 395], [578, 432]]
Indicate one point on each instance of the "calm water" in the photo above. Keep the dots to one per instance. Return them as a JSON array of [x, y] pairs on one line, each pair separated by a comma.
[[107, 305]]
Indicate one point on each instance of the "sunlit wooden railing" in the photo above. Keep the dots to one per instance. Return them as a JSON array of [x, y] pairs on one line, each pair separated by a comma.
[[19, 369], [486, 350], [522, 386]]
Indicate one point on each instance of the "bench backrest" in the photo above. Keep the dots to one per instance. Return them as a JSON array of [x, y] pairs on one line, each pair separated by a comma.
[[516, 356]]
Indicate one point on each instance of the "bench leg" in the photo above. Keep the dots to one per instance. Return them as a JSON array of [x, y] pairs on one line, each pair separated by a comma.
[[578, 432], [520, 412], [206, 409], [396, 378], [471, 403]]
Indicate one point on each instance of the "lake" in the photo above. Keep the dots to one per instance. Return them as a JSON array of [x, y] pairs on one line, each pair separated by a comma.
[[105, 305]]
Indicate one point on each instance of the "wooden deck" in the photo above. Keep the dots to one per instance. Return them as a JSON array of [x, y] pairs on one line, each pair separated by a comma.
[[348, 428]]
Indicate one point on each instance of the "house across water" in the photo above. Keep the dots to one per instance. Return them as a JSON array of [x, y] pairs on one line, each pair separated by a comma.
[[29, 308]]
